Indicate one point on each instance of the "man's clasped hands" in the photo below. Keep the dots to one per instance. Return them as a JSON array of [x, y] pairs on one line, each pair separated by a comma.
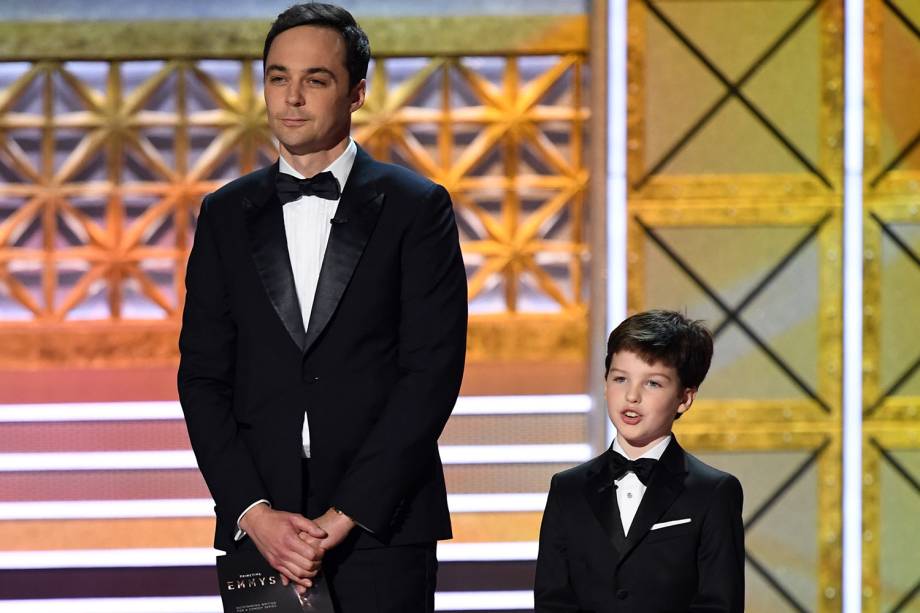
[[294, 544]]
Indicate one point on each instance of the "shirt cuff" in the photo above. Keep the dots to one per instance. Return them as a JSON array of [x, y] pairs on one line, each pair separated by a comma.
[[240, 533]]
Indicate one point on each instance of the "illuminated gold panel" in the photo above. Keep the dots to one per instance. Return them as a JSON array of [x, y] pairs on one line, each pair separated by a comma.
[[891, 358], [104, 162], [734, 205]]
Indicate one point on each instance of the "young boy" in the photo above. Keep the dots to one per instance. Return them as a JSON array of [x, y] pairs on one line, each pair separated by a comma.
[[645, 527]]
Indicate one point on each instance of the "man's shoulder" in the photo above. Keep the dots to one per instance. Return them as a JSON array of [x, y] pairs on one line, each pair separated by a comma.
[[248, 186], [396, 178]]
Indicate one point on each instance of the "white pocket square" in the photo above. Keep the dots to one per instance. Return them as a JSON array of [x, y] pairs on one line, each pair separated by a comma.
[[668, 524]]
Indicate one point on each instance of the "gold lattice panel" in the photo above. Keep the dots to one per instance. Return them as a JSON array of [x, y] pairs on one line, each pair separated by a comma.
[[891, 383], [734, 204], [104, 163]]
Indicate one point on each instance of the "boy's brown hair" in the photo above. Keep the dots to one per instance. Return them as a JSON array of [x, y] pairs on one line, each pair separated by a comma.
[[665, 337]]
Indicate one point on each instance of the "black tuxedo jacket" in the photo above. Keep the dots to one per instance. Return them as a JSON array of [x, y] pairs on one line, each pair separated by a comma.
[[586, 563], [378, 368]]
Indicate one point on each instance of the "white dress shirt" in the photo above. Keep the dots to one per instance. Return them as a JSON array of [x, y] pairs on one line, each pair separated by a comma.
[[307, 223], [306, 227], [629, 489]]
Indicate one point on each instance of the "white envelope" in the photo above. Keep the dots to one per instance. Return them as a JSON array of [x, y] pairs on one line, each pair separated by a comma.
[[668, 524]]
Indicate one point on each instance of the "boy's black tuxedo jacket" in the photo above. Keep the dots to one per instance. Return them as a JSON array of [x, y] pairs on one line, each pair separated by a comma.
[[586, 564], [378, 368]]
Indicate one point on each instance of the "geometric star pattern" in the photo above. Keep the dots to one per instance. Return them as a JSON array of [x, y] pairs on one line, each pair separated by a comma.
[[105, 163]]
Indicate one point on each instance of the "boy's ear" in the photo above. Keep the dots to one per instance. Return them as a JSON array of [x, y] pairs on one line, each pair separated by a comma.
[[686, 399]]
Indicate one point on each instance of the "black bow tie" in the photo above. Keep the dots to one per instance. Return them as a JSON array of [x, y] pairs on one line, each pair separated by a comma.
[[643, 467], [323, 185]]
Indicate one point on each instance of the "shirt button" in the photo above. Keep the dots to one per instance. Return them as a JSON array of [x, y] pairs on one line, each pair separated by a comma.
[[629, 494], [622, 594]]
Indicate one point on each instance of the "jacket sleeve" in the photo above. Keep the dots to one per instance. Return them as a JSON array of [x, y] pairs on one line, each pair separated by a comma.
[[553, 592], [207, 345], [720, 559], [432, 346]]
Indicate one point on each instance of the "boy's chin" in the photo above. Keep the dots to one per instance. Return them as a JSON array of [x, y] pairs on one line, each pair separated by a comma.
[[639, 439]]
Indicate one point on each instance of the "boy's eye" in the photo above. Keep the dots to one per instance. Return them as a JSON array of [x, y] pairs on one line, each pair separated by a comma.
[[654, 384], [618, 379]]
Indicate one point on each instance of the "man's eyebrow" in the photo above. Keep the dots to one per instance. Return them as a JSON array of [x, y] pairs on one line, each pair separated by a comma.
[[307, 71], [321, 69]]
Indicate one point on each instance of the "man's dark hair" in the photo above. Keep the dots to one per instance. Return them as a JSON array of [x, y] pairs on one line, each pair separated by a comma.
[[357, 47], [665, 337]]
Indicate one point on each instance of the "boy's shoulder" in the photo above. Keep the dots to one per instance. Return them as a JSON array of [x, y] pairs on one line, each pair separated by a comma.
[[703, 470], [580, 474], [702, 475]]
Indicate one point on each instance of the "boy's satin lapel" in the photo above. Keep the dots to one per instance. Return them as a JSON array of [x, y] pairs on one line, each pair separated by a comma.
[[601, 494], [665, 485]]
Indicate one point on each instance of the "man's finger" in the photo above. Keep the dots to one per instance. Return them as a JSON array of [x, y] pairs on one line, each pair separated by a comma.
[[309, 540], [298, 564], [305, 525], [286, 575], [315, 543], [299, 551], [299, 576]]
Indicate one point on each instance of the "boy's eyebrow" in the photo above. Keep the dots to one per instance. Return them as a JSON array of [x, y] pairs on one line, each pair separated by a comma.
[[654, 374]]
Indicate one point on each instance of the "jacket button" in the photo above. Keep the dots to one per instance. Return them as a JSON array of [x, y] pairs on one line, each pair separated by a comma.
[[622, 594]]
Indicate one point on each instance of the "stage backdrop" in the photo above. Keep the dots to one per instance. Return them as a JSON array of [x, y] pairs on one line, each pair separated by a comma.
[[112, 131], [735, 212]]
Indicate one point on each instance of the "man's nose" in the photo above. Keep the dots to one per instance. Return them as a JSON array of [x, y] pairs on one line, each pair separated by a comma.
[[293, 96]]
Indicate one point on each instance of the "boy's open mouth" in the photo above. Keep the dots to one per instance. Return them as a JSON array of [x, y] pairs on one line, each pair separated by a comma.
[[630, 417]]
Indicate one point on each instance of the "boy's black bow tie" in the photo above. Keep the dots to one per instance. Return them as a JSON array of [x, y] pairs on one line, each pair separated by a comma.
[[643, 467], [324, 185]]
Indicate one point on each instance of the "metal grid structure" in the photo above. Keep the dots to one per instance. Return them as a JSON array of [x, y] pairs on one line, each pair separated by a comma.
[[891, 385], [105, 161], [735, 205]]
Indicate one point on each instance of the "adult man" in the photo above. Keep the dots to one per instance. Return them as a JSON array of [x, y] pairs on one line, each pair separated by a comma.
[[326, 325]]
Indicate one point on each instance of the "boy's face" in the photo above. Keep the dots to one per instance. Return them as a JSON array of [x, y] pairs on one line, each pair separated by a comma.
[[643, 400]]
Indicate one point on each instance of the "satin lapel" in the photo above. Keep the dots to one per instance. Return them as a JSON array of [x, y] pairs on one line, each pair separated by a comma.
[[664, 487], [601, 495], [352, 227], [268, 245]]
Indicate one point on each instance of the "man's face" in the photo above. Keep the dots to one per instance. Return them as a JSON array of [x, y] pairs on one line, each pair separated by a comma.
[[306, 90], [643, 399]]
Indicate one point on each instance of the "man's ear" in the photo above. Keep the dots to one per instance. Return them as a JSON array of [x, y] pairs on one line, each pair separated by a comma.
[[358, 94], [686, 399]]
